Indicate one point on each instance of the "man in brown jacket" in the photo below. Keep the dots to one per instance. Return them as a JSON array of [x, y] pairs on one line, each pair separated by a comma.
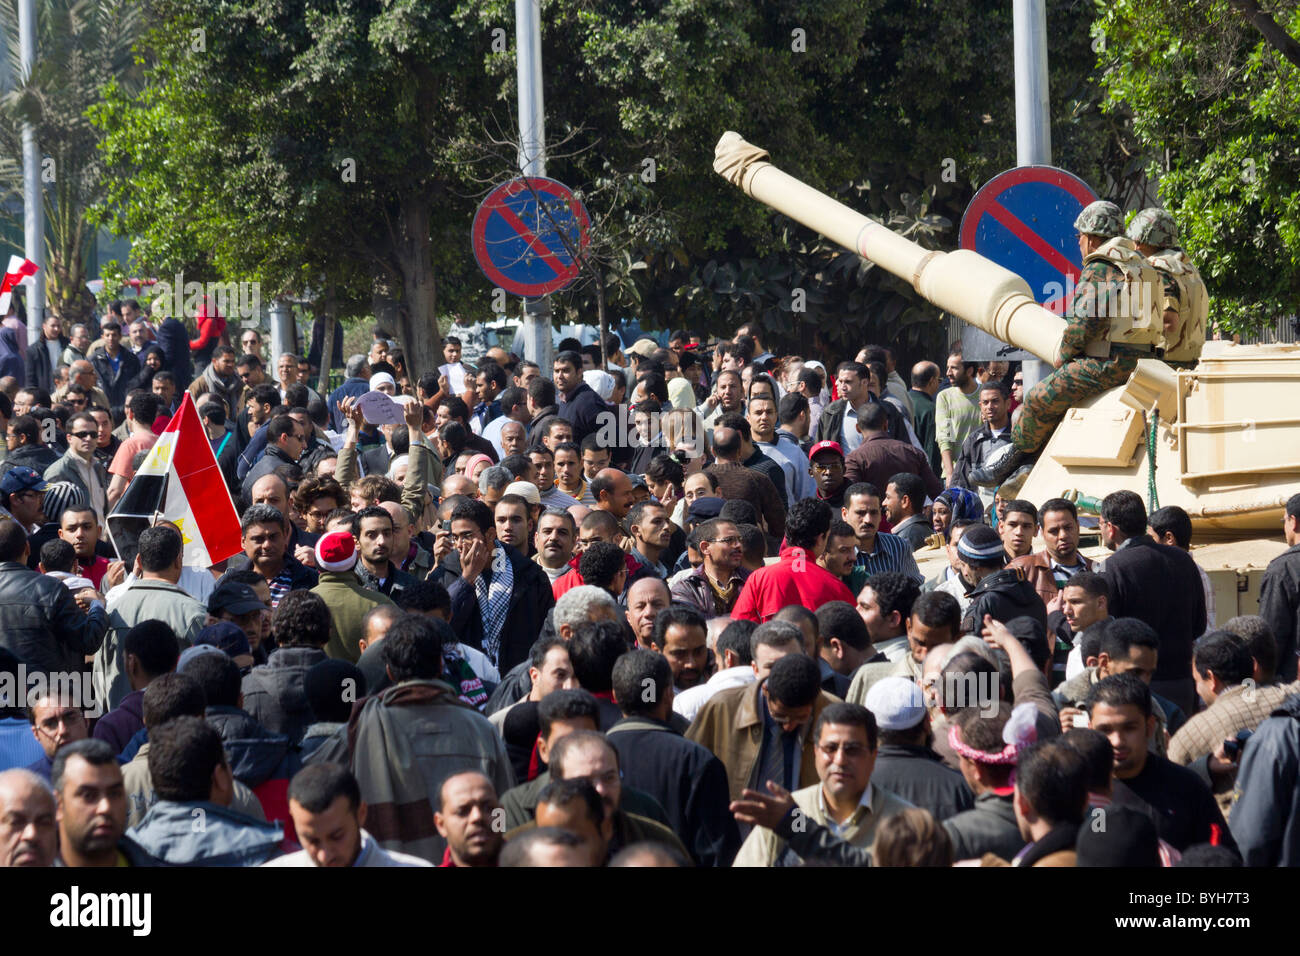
[[1049, 569], [736, 482], [880, 457], [761, 731]]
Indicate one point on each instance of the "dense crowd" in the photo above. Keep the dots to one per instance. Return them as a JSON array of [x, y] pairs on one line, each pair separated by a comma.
[[650, 606]]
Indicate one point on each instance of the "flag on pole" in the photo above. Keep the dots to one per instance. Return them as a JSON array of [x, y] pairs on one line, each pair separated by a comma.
[[19, 269], [179, 482]]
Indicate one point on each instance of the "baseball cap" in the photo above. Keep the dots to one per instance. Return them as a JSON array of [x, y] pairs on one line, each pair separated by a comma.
[[822, 446], [197, 650], [21, 479], [643, 347], [702, 509], [233, 597], [226, 636], [896, 702]]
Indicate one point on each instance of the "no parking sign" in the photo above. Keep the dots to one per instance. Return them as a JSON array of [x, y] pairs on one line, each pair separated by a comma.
[[524, 233], [1023, 219]]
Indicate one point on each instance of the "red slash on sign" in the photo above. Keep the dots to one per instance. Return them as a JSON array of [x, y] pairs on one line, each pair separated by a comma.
[[1023, 219], [525, 235]]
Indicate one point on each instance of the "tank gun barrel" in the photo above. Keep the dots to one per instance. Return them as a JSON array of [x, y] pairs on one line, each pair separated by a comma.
[[962, 282]]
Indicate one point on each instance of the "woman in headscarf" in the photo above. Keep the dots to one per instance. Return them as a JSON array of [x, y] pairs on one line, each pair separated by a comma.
[[955, 504], [152, 359]]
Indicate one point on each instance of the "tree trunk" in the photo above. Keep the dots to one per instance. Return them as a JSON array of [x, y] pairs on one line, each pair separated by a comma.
[[602, 319], [417, 322], [327, 346]]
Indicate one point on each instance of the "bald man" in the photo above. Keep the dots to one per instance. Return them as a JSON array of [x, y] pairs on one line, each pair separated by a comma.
[[612, 490], [925, 386], [514, 439], [469, 817], [28, 832], [645, 599], [459, 485]]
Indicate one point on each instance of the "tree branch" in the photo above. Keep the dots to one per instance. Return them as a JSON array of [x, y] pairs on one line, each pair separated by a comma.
[[1269, 28]]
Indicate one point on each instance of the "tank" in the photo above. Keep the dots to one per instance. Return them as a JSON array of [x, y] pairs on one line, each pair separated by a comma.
[[1220, 440]]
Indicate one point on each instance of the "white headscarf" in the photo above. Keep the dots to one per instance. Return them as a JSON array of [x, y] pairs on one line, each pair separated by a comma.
[[602, 383]]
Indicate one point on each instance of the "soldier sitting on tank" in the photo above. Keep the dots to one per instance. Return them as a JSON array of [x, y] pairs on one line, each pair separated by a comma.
[[1186, 305], [1114, 319]]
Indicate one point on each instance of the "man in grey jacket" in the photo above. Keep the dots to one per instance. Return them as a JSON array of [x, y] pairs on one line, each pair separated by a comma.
[[154, 595], [1266, 815], [192, 823]]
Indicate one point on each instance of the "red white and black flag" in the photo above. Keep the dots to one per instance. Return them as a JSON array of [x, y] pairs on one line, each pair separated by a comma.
[[19, 269], [179, 482]]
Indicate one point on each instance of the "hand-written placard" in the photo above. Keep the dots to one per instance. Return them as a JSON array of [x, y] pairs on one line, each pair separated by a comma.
[[381, 409]]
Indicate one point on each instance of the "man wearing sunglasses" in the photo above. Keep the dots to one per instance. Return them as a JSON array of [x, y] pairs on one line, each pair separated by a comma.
[[79, 465]]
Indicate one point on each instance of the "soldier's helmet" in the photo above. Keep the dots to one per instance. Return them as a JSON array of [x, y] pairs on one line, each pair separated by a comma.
[[1100, 218], [1154, 227]]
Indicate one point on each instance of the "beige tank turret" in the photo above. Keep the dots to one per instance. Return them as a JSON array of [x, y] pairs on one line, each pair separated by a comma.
[[1226, 433]]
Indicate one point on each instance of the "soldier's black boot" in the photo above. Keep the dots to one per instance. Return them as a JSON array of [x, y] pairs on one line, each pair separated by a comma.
[[1003, 462]]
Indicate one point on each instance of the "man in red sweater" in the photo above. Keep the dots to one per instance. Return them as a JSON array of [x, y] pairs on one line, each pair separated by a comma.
[[796, 578]]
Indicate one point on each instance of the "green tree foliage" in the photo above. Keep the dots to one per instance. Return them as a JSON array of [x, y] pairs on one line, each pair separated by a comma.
[[1214, 97], [230, 164], [900, 109], [309, 146], [81, 45]]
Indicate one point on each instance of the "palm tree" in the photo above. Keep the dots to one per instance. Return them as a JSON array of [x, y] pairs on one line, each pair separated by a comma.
[[82, 45]]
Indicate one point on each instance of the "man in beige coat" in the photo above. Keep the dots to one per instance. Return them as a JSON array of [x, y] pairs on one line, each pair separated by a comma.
[[762, 731]]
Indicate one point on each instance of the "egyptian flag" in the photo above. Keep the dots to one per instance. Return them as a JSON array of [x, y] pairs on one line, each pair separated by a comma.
[[19, 269], [179, 482]]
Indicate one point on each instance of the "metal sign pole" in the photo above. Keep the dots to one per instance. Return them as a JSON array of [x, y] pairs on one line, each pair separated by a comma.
[[1033, 119], [33, 211], [532, 159]]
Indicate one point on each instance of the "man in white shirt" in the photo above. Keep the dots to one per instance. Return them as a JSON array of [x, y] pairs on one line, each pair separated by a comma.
[[514, 408], [735, 667], [794, 463]]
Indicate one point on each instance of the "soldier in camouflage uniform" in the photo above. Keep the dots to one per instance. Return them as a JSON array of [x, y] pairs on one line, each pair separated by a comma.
[[1186, 304], [1110, 324]]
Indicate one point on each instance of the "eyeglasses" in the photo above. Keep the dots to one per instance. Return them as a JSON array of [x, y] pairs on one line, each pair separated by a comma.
[[69, 718], [727, 541], [827, 466], [84, 436]]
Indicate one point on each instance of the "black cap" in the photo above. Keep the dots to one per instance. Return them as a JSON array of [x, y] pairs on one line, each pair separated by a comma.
[[234, 597]]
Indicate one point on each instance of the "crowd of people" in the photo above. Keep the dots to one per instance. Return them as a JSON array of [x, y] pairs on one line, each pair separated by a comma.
[[651, 606]]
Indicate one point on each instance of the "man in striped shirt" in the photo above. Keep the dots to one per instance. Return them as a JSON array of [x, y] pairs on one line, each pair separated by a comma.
[[877, 551]]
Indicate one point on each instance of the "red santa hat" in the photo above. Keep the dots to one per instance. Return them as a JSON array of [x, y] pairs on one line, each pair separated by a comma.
[[336, 551]]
